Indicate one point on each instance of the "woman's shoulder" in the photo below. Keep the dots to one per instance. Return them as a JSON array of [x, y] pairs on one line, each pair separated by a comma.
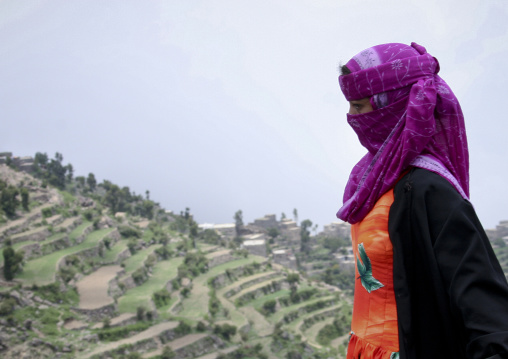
[[427, 186]]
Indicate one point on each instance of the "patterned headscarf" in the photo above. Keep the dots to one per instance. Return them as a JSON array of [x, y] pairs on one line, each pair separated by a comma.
[[417, 121]]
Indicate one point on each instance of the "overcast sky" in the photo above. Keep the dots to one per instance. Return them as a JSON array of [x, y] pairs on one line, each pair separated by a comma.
[[224, 105]]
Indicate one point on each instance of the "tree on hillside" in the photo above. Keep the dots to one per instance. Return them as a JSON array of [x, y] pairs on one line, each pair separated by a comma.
[[238, 221], [40, 162], [10, 163], [333, 243], [56, 171], [145, 209], [295, 215], [52, 171], [12, 261], [113, 197], [186, 214], [167, 353], [305, 236], [24, 198], [273, 233], [293, 279], [91, 181], [9, 199], [70, 172], [80, 180]]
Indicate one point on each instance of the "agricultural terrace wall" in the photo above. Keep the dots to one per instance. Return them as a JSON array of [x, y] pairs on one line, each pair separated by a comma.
[[326, 303], [230, 275], [37, 235], [308, 322], [200, 347], [85, 232], [114, 289], [31, 251], [215, 261], [55, 245], [271, 287], [126, 253], [98, 314], [250, 283], [17, 228], [90, 252]]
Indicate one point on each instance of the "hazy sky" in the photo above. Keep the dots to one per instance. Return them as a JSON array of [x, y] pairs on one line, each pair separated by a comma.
[[223, 105]]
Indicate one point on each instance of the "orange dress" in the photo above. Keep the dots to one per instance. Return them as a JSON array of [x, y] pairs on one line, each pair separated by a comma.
[[374, 330]]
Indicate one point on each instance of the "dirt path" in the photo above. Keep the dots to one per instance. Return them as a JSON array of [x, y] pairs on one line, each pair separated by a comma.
[[93, 289], [149, 333], [218, 253], [116, 320], [75, 324]]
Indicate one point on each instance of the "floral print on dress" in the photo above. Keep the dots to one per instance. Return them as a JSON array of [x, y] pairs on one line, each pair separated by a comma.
[[365, 270]]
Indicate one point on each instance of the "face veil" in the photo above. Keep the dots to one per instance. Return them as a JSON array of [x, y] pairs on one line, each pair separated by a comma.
[[417, 121]]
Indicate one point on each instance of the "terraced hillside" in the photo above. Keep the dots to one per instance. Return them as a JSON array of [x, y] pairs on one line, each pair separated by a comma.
[[97, 285]]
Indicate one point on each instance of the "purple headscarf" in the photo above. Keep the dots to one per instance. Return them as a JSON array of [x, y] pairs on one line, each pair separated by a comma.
[[417, 121]]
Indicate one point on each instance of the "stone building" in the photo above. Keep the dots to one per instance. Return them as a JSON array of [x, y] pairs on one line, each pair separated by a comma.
[[266, 222], [345, 258], [291, 232], [24, 163], [501, 231], [227, 230], [337, 229], [255, 244], [285, 258]]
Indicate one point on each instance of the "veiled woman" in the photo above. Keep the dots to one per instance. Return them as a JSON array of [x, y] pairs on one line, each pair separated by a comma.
[[428, 284]]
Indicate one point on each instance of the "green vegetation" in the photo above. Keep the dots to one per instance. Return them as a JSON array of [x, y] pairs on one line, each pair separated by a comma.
[[43, 269], [225, 331], [305, 236], [52, 171], [112, 334], [9, 200], [141, 295], [339, 327], [12, 261], [193, 265]]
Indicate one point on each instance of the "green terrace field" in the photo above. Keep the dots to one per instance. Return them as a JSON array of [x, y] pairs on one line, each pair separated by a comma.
[[42, 270], [141, 295]]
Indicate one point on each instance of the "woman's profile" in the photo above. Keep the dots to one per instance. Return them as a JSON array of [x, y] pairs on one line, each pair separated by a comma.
[[428, 284]]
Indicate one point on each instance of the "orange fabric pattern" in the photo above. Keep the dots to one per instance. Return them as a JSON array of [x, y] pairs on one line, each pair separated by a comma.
[[374, 325]]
